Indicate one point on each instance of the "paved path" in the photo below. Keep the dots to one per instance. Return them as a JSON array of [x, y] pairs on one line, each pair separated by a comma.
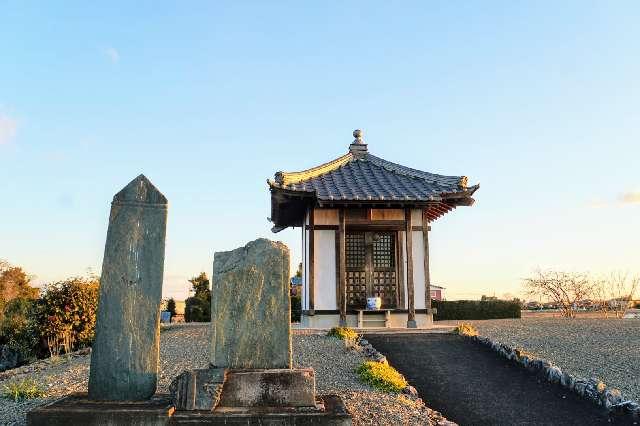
[[472, 385]]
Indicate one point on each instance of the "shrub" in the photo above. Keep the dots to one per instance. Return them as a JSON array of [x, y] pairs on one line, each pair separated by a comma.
[[381, 376], [465, 329], [171, 307], [25, 389], [475, 310], [18, 331], [66, 314], [197, 310], [296, 308], [343, 333]]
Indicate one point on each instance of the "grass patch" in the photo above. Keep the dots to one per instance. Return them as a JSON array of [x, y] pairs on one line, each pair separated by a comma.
[[25, 389], [343, 333], [465, 329], [522, 353], [381, 376]]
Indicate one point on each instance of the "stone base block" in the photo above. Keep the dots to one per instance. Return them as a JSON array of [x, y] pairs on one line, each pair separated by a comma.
[[328, 410], [269, 388], [77, 410], [198, 389]]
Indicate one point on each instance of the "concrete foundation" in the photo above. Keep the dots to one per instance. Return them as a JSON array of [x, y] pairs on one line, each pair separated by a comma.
[[77, 410], [397, 320]]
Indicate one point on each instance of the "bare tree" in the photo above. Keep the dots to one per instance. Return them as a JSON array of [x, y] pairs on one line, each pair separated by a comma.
[[601, 296], [616, 292], [565, 289]]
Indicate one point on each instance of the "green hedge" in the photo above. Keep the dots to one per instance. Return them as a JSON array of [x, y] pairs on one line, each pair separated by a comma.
[[475, 309], [296, 308]]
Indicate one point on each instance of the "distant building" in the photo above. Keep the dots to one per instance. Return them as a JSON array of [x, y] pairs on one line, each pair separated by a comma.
[[437, 292]]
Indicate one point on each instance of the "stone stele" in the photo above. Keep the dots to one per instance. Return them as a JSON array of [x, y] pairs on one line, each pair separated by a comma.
[[250, 307], [124, 360]]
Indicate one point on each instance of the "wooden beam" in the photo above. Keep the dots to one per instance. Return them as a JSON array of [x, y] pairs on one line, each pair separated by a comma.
[[411, 317], [400, 280], [311, 279], [427, 273], [337, 260], [368, 262], [343, 267]]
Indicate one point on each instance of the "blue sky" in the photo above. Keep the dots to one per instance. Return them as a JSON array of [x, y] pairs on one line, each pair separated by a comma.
[[537, 101]]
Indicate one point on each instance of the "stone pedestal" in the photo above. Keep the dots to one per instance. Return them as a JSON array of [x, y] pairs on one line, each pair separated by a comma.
[[269, 388], [330, 411]]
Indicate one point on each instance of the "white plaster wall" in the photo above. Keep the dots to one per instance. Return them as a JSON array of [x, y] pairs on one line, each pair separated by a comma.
[[325, 270], [418, 270], [416, 217]]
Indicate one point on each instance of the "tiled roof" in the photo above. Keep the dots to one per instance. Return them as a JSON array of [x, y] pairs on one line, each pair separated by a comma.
[[359, 175]]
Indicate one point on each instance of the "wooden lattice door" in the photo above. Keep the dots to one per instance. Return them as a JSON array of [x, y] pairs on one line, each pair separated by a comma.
[[371, 269]]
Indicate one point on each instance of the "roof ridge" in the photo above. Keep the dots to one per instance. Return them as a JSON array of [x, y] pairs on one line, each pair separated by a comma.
[[289, 178]]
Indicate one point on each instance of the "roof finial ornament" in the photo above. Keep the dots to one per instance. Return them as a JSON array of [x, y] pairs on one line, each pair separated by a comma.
[[358, 148], [357, 134]]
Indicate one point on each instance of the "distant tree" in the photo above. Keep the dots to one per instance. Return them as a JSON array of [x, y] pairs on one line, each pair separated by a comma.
[[616, 292], [201, 286], [171, 307], [299, 271], [565, 289], [487, 298], [198, 307], [14, 283]]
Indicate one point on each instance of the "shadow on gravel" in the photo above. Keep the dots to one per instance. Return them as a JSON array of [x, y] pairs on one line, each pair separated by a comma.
[[471, 385]]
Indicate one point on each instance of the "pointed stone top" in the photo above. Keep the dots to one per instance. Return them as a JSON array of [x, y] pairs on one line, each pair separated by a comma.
[[140, 191]]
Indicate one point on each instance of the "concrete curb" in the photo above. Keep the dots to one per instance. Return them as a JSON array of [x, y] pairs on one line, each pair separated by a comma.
[[591, 389]]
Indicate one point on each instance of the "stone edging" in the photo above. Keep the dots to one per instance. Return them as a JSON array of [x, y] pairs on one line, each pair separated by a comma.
[[591, 389]]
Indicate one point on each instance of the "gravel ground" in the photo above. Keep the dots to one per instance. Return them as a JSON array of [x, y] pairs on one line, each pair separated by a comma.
[[185, 347], [608, 349]]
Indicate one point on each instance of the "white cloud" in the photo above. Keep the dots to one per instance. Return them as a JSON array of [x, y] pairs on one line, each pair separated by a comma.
[[8, 128], [630, 198], [112, 54]]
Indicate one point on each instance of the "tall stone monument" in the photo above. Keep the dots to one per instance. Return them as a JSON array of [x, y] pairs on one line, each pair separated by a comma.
[[124, 360]]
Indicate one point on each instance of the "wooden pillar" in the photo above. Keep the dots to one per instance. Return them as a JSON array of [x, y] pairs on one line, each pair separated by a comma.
[[411, 317], [342, 265], [427, 273], [400, 263], [311, 278]]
